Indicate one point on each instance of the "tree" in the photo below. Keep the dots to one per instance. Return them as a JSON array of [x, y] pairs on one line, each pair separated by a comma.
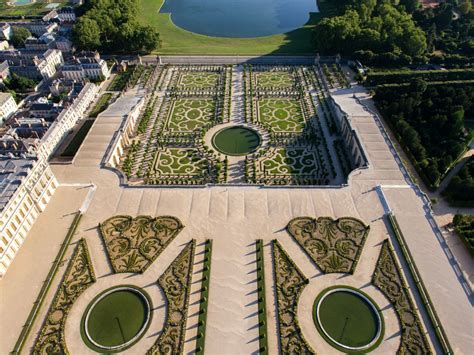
[[86, 34], [465, 7], [375, 25], [20, 83], [410, 5], [19, 36], [445, 16], [113, 26], [148, 39], [418, 85]]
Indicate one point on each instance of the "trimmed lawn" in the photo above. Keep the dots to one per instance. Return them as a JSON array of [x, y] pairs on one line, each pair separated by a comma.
[[36, 9], [101, 105], [175, 40], [188, 115], [76, 142], [120, 80]]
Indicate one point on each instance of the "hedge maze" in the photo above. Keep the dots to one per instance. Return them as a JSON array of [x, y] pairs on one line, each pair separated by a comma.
[[134, 243], [333, 245]]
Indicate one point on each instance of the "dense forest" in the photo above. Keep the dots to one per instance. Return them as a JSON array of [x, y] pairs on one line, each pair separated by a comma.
[[429, 122], [399, 32], [378, 26], [460, 191], [113, 26], [449, 32]]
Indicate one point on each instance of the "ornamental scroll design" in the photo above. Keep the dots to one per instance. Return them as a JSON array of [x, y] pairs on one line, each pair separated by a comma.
[[79, 276], [176, 284], [290, 282], [387, 277], [333, 245], [134, 243]]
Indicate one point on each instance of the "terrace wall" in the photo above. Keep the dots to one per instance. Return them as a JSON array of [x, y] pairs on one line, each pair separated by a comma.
[[349, 134]]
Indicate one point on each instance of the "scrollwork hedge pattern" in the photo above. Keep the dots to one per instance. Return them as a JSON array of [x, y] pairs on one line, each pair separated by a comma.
[[79, 275], [134, 243], [176, 284], [387, 277], [333, 245], [289, 282]]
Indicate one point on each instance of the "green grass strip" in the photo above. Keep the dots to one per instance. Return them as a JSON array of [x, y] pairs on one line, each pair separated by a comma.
[[46, 285], [262, 309], [120, 80], [206, 278], [76, 142], [439, 330], [101, 105]]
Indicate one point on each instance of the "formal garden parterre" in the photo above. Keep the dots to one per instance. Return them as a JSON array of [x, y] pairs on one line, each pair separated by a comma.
[[79, 276], [288, 104], [289, 283], [182, 104], [333, 245], [278, 99], [134, 243]]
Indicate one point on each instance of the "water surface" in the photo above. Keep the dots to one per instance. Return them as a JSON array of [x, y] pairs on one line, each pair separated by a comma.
[[239, 18]]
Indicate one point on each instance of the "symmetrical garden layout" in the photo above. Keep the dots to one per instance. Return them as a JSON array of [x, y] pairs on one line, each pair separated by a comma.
[[118, 317], [284, 106], [169, 145], [232, 269]]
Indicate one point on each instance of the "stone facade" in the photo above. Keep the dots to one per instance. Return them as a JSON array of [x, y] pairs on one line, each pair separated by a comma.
[[26, 187], [7, 106]]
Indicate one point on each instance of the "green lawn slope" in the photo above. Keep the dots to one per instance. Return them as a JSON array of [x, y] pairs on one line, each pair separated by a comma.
[[175, 40]]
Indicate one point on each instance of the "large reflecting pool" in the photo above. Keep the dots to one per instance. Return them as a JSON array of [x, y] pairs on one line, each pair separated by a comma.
[[239, 18], [21, 2]]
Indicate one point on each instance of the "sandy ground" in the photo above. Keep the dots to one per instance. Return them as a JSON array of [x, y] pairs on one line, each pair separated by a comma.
[[234, 217]]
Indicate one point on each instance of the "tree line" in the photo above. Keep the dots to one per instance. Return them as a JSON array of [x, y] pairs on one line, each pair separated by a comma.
[[378, 27], [399, 32], [112, 26], [375, 78], [429, 122]]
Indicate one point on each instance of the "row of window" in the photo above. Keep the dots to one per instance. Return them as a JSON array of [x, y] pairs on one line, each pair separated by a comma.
[[19, 227]]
